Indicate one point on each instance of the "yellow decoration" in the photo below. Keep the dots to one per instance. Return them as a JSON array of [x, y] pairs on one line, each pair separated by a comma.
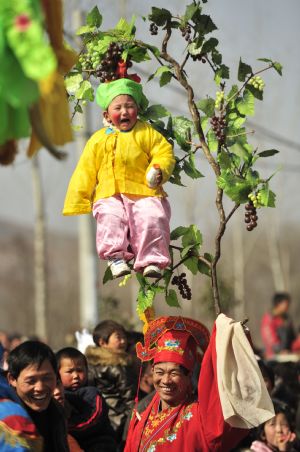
[[147, 316], [53, 103]]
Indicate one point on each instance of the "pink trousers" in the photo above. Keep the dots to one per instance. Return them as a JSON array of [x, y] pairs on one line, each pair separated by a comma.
[[133, 227]]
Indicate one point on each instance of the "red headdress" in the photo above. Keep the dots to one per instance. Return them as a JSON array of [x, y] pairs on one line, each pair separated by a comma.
[[173, 339]]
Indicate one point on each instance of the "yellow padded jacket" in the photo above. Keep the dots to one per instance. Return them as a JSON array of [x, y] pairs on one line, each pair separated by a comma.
[[118, 162]]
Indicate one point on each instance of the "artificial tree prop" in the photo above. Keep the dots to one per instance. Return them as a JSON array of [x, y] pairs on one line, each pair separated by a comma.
[[215, 127]]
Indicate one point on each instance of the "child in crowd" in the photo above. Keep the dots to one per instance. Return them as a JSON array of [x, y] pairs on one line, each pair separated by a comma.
[[73, 368], [119, 177], [276, 434], [86, 411], [112, 371]]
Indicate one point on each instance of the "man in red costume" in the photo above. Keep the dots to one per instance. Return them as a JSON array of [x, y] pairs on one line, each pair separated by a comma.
[[230, 399]]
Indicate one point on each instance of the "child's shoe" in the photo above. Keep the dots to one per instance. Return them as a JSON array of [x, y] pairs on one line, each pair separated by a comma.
[[118, 267], [152, 271]]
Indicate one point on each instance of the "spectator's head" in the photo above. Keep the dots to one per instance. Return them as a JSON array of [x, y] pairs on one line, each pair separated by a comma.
[[146, 383], [281, 302], [32, 372], [268, 374], [133, 337], [277, 430], [111, 335], [72, 367], [59, 392], [15, 339]]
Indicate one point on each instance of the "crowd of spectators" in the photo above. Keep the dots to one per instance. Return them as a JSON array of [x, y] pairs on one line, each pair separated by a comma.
[[82, 400]]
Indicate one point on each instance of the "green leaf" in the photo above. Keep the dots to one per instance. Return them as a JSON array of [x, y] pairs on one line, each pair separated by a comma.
[[256, 92], [224, 160], [268, 153], [178, 232], [73, 82], [216, 57], [165, 78], [239, 149], [204, 123], [267, 197], [204, 24], [139, 54], [176, 176], [208, 257], [190, 169], [192, 264], [245, 105], [192, 237], [78, 108], [235, 187], [243, 71], [145, 299], [253, 178], [221, 73], [167, 276], [85, 91], [278, 67], [165, 74], [207, 106], [171, 299], [212, 141], [107, 275], [85, 29], [182, 130], [159, 16], [94, 18], [190, 11], [204, 268], [103, 44], [153, 49], [209, 45], [156, 112], [127, 29]]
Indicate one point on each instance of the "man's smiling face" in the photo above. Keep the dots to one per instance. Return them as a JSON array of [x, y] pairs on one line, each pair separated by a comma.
[[35, 385]]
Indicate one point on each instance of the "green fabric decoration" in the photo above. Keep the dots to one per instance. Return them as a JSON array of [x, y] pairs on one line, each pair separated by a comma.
[[26, 57], [106, 92]]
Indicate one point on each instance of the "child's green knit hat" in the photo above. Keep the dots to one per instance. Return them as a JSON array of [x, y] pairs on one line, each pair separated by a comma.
[[106, 92]]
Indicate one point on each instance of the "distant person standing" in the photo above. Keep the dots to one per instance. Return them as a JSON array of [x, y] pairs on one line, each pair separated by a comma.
[[277, 330]]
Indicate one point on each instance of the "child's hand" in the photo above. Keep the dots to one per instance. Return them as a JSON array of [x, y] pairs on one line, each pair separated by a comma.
[[284, 439], [154, 177], [159, 177]]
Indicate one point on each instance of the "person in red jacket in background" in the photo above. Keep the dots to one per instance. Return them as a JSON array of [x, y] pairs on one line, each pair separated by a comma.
[[277, 330]]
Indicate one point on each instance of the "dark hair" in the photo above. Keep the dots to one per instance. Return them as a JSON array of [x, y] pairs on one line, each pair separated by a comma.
[[266, 371], [278, 297], [27, 354], [71, 353], [105, 329]]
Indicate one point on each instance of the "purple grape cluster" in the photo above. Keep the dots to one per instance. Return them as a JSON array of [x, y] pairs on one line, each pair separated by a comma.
[[186, 32], [153, 28], [250, 216], [181, 282], [107, 69], [199, 57], [218, 125]]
